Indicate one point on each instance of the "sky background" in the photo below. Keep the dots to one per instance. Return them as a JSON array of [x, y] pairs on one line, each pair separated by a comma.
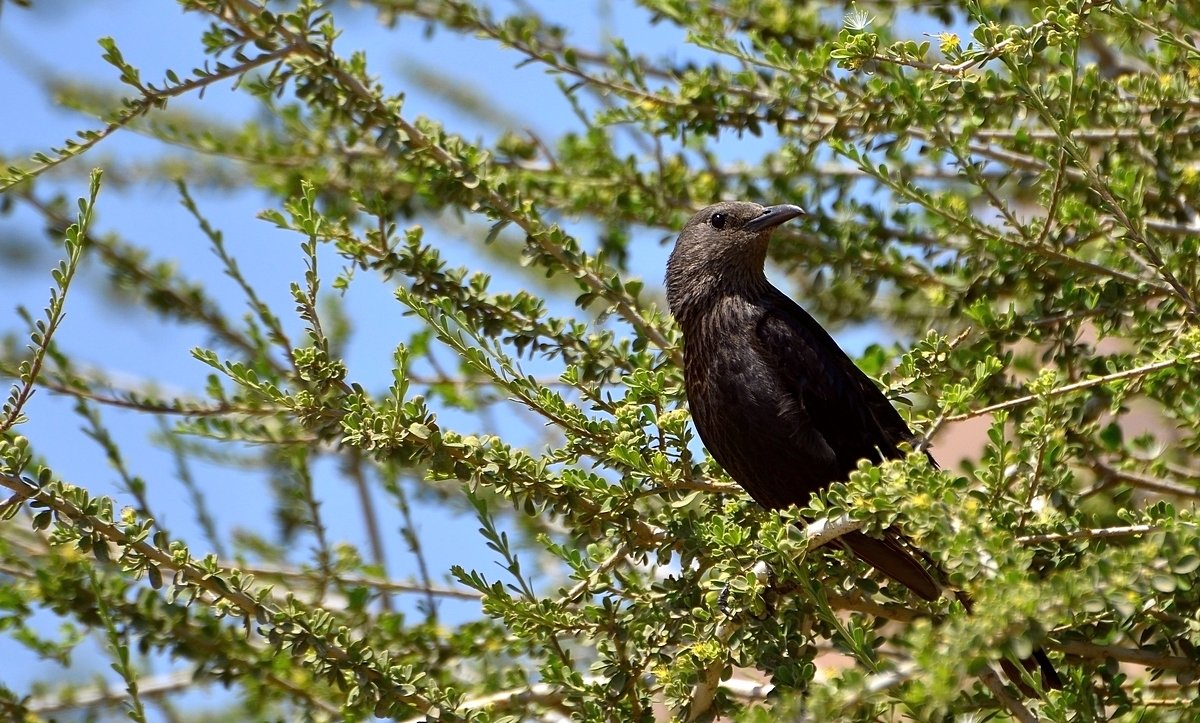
[[58, 40]]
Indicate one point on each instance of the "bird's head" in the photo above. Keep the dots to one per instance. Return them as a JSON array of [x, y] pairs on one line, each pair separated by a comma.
[[723, 247]]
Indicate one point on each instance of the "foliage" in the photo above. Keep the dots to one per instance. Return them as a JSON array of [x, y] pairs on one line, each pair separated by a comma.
[[1011, 188]]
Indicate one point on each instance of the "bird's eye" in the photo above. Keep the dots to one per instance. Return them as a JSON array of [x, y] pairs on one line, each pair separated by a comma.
[[718, 220]]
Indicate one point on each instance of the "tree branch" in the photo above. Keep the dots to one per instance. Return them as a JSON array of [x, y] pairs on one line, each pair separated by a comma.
[[1077, 386]]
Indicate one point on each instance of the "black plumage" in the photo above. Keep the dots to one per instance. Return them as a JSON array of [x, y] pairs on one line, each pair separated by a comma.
[[776, 401]]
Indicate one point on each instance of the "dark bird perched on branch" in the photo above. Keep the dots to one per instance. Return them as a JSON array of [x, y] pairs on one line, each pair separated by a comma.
[[777, 403]]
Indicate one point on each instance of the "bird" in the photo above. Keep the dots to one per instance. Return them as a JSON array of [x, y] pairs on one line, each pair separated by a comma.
[[777, 403]]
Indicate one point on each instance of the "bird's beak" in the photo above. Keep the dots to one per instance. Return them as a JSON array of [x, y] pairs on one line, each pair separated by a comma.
[[772, 216]]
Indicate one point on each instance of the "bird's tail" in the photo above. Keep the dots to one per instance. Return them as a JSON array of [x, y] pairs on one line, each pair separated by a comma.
[[891, 556], [1038, 660]]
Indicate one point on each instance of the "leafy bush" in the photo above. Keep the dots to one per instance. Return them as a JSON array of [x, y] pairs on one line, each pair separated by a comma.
[[1006, 189]]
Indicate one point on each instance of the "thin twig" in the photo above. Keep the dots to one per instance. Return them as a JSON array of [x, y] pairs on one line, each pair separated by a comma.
[[109, 695], [824, 531], [1007, 699], [1077, 386], [1088, 534], [860, 604], [927, 438], [542, 694], [353, 466], [747, 689], [409, 532], [1158, 224], [377, 583], [609, 563], [1145, 658], [1109, 474]]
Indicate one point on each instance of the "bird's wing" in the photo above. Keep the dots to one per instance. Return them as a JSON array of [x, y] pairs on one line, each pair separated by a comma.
[[841, 403], [845, 408]]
